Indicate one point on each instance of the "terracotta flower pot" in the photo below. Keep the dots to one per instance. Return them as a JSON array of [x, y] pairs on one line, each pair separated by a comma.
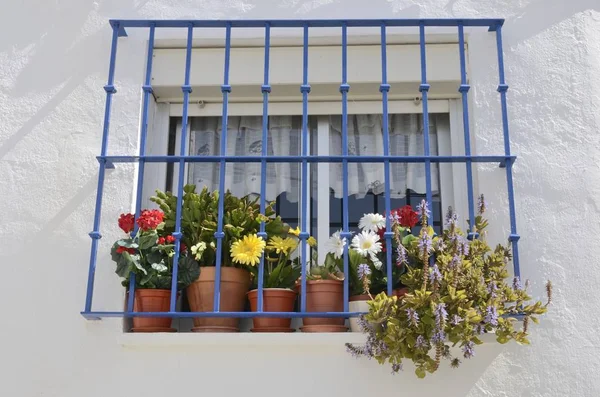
[[357, 303], [274, 300], [400, 292], [234, 285], [324, 296], [152, 300]]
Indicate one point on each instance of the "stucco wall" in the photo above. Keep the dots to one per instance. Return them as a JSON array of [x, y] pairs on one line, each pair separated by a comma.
[[53, 62]]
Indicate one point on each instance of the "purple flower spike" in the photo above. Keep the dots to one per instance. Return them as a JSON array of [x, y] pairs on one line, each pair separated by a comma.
[[516, 284], [424, 243], [423, 209], [413, 317], [420, 342], [468, 349], [435, 275], [363, 271], [396, 368], [481, 205], [438, 337], [440, 314], [456, 320], [491, 316], [492, 288], [401, 256]]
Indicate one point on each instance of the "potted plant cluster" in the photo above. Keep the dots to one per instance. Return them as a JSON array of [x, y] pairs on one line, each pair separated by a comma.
[[147, 251], [241, 248], [457, 291]]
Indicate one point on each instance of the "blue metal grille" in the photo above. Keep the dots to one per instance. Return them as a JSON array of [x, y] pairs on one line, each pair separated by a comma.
[[505, 160]]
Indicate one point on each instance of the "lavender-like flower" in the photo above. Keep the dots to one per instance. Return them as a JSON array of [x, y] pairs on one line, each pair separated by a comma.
[[438, 337], [491, 316], [451, 218], [456, 320], [517, 284], [396, 368], [413, 317], [423, 210], [468, 349], [435, 275], [363, 271], [481, 205], [439, 244], [480, 329], [492, 288], [424, 243], [420, 342], [462, 245], [455, 363], [440, 314], [401, 255], [455, 262]]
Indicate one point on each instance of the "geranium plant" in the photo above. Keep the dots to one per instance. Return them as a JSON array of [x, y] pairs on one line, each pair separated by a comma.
[[457, 292], [149, 252]]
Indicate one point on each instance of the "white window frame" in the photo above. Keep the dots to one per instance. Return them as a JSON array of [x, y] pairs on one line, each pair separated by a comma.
[[452, 175]]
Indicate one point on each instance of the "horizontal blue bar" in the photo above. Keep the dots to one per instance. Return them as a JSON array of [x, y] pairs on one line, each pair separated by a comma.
[[299, 23], [503, 159], [100, 315]]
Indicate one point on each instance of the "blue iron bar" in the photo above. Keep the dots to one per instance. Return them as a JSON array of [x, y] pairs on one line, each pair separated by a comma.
[[344, 88], [100, 315], [424, 89], [464, 89], [143, 134], [265, 89], [502, 88], [491, 23], [311, 159], [187, 89], [219, 234], [95, 233], [304, 89], [384, 88]]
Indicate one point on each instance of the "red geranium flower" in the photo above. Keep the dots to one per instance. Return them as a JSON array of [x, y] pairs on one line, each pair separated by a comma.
[[161, 240], [120, 250], [126, 222], [170, 239], [407, 216], [150, 219]]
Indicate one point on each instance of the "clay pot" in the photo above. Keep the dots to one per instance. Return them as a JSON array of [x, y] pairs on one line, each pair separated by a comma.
[[324, 296], [357, 303], [400, 292], [234, 285], [274, 300], [152, 300]]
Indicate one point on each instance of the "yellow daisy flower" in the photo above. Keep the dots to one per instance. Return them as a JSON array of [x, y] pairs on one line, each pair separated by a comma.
[[285, 245], [248, 250], [295, 232], [312, 241]]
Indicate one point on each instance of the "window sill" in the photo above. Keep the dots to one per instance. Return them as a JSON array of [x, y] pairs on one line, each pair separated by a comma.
[[330, 341]]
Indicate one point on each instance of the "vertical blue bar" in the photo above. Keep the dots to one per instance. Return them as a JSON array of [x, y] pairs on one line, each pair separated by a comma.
[[464, 89], [95, 233], [142, 152], [384, 88], [502, 88], [424, 89], [304, 89], [265, 89], [219, 234], [344, 88], [187, 89]]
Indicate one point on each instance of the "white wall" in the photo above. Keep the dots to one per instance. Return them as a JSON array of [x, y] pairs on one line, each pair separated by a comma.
[[53, 62]]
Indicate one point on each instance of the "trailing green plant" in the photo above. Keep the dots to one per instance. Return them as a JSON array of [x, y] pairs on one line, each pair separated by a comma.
[[241, 223], [457, 292], [149, 253]]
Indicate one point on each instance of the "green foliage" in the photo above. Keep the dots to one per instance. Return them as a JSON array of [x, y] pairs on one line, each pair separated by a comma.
[[329, 270], [457, 291], [199, 219]]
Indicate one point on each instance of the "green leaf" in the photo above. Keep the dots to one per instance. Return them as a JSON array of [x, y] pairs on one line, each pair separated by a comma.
[[188, 271], [124, 267], [420, 372], [148, 239]]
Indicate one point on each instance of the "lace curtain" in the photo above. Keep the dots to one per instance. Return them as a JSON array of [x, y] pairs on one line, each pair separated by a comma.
[[365, 137]]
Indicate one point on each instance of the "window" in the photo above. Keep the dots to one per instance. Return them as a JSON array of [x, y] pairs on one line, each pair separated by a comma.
[[347, 134]]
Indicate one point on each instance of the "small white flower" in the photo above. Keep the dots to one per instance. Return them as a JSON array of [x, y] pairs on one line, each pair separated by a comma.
[[366, 243], [198, 250], [335, 245], [371, 222], [159, 267]]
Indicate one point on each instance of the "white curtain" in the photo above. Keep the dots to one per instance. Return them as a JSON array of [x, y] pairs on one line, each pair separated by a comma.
[[365, 137]]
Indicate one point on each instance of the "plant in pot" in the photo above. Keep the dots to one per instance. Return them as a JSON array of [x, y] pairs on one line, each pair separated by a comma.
[[457, 292], [280, 275], [241, 249], [325, 289], [368, 276], [148, 253]]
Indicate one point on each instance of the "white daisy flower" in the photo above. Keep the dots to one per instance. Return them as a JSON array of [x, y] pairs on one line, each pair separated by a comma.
[[335, 245], [366, 243], [371, 222]]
